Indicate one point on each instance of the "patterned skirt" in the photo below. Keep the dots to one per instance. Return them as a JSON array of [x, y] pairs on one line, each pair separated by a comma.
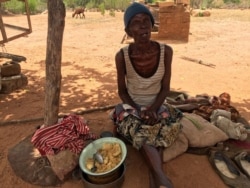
[[131, 127]]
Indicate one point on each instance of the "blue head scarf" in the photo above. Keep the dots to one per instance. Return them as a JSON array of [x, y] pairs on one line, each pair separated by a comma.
[[136, 8]]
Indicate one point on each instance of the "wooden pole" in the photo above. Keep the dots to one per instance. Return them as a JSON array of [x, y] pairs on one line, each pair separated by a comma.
[[56, 23]]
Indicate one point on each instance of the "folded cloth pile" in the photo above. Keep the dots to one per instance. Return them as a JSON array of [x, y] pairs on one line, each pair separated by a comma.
[[234, 130]]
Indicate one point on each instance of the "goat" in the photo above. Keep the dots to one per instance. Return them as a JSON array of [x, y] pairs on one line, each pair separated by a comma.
[[80, 12]]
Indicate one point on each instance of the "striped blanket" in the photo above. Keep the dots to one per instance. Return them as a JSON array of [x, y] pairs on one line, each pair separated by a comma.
[[70, 133]]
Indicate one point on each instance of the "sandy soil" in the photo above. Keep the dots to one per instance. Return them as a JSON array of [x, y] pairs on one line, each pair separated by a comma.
[[89, 81]]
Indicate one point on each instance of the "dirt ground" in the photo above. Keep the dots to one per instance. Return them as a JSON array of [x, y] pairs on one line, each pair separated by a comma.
[[89, 81]]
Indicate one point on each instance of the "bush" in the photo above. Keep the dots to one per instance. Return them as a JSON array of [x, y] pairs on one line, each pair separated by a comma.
[[38, 6], [219, 4], [102, 8], [112, 12], [232, 2], [18, 7]]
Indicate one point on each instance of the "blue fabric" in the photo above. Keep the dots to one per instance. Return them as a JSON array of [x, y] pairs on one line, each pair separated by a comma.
[[136, 8]]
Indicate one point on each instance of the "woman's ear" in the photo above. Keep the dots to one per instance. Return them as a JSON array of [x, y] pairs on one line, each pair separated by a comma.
[[128, 32]]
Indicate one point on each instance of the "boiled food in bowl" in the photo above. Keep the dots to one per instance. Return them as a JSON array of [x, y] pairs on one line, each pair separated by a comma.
[[112, 150]]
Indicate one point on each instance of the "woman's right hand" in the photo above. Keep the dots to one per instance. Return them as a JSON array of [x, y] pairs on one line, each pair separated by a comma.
[[149, 117]]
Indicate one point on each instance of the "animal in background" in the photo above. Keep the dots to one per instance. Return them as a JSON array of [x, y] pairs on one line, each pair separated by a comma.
[[79, 12]]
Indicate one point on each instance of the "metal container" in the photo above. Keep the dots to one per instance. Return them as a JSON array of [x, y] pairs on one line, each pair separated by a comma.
[[111, 180], [106, 134]]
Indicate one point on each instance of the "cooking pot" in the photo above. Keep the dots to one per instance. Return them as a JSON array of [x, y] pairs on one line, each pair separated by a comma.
[[105, 181]]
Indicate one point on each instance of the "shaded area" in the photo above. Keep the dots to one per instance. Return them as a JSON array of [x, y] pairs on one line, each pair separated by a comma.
[[73, 95], [29, 165]]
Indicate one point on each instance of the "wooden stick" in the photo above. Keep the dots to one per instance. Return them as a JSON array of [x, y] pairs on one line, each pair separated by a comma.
[[81, 112], [124, 38], [198, 61]]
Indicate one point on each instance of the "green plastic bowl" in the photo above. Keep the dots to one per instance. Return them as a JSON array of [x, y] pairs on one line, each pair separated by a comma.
[[92, 148]]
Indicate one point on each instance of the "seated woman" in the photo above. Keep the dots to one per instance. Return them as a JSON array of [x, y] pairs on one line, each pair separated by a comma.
[[143, 76]]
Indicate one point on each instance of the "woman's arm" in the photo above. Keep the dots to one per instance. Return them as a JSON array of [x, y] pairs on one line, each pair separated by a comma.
[[121, 80]]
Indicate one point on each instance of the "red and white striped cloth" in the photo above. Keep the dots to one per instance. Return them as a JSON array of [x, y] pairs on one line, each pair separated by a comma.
[[71, 133]]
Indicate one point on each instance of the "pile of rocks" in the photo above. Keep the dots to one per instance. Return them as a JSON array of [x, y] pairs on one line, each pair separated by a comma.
[[11, 77]]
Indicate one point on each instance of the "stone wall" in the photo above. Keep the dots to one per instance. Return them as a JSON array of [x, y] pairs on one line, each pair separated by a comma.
[[173, 22]]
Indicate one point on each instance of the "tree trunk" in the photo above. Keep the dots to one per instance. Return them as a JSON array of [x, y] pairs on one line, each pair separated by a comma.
[[56, 23]]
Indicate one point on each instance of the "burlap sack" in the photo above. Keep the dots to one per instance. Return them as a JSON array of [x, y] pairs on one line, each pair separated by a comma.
[[200, 132], [177, 148], [63, 163]]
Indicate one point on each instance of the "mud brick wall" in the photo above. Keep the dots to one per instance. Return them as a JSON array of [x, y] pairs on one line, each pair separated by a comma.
[[174, 22]]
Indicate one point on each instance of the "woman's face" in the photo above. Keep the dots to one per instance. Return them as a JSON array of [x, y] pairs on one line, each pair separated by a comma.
[[140, 27]]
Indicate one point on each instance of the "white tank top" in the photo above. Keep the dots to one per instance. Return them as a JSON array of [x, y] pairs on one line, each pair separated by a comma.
[[144, 94]]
